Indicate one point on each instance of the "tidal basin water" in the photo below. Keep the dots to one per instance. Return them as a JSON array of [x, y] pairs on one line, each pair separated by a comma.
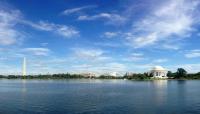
[[99, 96]]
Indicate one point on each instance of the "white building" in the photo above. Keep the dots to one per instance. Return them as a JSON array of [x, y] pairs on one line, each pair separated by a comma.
[[111, 74], [159, 72]]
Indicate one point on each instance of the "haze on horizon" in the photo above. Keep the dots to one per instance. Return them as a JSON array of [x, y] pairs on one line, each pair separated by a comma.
[[99, 35]]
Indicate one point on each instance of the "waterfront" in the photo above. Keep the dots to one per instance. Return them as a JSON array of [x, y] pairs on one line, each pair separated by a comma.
[[99, 96]]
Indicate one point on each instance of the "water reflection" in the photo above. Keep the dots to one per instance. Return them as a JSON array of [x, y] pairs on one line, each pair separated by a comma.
[[177, 94], [181, 82], [181, 90], [24, 86], [160, 84], [22, 99], [160, 88]]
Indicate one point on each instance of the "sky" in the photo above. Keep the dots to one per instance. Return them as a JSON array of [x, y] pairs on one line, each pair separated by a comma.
[[99, 36]]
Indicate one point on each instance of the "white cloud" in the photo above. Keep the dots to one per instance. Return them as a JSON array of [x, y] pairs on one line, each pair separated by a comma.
[[114, 66], [8, 33], [82, 66], [174, 47], [37, 51], [49, 64], [160, 60], [101, 68], [110, 34], [88, 53], [111, 18], [137, 54], [142, 41], [193, 54], [63, 30], [67, 31], [94, 60], [78, 9], [107, 44], [135, 57], [174, 19], [93, 56]]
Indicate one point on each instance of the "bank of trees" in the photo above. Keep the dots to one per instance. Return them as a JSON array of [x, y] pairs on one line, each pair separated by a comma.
[[45, 76], [182, 74], [179, 74], [108, 77], [138, 76]]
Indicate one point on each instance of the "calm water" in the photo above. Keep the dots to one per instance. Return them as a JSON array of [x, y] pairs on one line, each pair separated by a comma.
[[99, 96]]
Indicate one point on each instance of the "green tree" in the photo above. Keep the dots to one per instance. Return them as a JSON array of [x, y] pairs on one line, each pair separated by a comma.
[[151, 75], [170, 74], [181, 73], [146, 74]]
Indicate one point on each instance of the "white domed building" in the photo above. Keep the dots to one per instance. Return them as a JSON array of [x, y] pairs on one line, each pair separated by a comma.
[[159, 72]]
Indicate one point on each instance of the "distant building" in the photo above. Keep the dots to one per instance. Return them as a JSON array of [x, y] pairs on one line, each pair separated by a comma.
[[129, 74], [111, 74], [88, 74], [158, 72]]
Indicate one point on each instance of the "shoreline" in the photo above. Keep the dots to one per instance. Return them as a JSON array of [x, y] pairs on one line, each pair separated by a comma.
[[92, 79]]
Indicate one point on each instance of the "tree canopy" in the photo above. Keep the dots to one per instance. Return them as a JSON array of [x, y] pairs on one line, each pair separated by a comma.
[[181, 73]]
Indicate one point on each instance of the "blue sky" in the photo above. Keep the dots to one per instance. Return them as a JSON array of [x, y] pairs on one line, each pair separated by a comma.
[[99, 35]]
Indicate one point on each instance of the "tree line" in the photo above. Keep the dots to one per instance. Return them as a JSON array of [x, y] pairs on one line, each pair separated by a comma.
[[179, 74], [182, 74]]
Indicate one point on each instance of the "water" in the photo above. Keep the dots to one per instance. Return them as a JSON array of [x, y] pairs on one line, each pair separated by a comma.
[[99, 96]]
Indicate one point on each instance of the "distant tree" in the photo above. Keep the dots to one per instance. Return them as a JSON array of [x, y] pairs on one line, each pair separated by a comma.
[[1, 76], [126, 74], [151, 74], [146, 74], [170, 74], [198, 73], [181, 73]]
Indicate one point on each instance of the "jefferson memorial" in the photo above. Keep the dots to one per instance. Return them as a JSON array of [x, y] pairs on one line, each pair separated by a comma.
[[158, 72]]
